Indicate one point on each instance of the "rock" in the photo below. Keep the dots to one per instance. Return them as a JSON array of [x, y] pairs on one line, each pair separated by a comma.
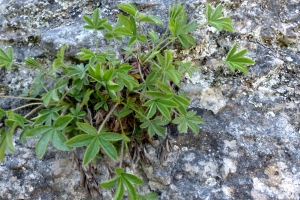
[[248, 144]]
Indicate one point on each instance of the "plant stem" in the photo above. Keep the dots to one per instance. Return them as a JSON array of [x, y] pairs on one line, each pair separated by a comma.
[[167, 44], [139, 61], [121, 155], [25, 98], [107, 117], [96, 40], [34, 110], [31, 104]]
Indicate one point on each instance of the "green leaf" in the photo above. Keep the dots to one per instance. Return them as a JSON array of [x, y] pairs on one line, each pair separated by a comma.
[[88, 21], [80, 140], [154, 127], [186, 40], [132, 41], [2, 113], [110, 183], [166, 102], [38, 131], [130, 189], [189, 27], [123, 31], [126, 22], [58, 141], [62, 122], [176, 10], [42, 144], [20, 120], [61, 84], [132, 179], [58, 62], [52, 94], [94, 23], [119, 171], [96, 15], [142, 38], [188, 121], [122, 113], [91, 151], [86, 97], [154, 36], [2, 143], [108, 148], [237, 61], [165, 88], [150, 196], [108, 75], [77, 113], [46, 116], [33, 63], [85, 54], [112, 86], [158, 95], [128, 8], [6, 58], [120, 190], [215, 18], [87, 128], [146, 18], [111, 136]]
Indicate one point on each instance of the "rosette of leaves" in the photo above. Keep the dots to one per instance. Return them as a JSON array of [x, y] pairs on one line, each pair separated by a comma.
[[105, 102]]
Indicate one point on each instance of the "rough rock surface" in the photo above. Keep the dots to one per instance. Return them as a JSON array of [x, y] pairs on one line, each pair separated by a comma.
[[248, 146]]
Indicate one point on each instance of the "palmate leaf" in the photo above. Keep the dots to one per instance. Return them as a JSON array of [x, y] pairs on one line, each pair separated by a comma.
[[155, 126], [48, 133], [6, 58], [46, 116], [237, 61], [123, 180], [167, 71], [215, 18], [94, 23], [94, 142], [179, 27], [190, 120], [162, 105]]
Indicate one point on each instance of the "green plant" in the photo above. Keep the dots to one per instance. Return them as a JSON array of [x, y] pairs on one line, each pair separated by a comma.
[[106, 102]]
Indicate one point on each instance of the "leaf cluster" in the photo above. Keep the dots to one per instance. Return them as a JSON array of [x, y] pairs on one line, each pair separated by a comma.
[[105, 102]]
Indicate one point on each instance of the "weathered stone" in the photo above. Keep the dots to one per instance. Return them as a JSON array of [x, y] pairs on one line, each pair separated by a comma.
[[248, 146]]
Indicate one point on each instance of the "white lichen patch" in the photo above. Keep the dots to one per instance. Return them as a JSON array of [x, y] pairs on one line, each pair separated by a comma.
[[279, 183], [212, 99], [229, 166], [191, 169]]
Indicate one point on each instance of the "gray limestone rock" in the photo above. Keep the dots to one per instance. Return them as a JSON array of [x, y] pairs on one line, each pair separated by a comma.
[[248, 146]]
